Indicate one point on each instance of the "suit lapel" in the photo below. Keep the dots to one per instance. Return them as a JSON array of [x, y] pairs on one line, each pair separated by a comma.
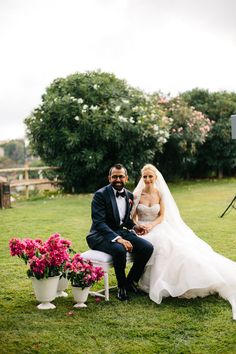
[[114, 205], [127, 214]]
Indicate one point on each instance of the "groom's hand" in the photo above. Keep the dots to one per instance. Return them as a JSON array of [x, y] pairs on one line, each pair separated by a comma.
[[140, 229], [127, 245]]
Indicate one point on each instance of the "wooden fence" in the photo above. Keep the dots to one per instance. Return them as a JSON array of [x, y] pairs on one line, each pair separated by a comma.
[[26, 181]]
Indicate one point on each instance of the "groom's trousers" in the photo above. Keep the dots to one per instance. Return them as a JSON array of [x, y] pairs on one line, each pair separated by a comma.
[[142, 251]]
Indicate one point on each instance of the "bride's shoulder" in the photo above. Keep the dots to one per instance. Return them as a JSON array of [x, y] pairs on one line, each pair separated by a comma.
[[157, 192]]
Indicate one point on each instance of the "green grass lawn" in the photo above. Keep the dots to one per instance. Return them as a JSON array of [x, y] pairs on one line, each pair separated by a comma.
[[139, 326]]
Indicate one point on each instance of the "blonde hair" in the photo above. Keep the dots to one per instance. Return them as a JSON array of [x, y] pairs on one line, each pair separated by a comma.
[[149, 166]]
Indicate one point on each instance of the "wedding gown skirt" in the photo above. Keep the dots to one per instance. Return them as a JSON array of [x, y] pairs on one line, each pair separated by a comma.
[[183, 265]]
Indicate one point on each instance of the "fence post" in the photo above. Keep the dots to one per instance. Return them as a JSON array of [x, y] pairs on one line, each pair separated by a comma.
[[26, 179]]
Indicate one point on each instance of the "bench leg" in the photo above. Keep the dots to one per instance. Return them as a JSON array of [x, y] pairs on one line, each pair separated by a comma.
[[106, 284], [105, 290]]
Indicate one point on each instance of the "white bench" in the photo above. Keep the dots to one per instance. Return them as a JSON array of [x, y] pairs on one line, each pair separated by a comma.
[[104, 260]]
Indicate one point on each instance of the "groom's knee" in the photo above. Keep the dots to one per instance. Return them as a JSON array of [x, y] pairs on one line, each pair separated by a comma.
[[149, 249], [118, 251]]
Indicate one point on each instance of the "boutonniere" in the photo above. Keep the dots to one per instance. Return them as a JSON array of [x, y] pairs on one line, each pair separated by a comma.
[[130, 203]]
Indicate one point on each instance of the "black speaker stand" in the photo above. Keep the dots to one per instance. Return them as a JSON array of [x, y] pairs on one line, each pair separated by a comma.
[[230, 205]]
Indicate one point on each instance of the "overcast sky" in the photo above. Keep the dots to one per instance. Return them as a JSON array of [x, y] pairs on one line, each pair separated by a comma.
[[167, 45]]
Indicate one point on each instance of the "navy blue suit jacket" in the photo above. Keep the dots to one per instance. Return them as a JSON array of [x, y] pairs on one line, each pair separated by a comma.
[[105, 216]]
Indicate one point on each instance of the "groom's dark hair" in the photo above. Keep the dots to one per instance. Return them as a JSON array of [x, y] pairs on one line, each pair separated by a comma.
[[118, 166]]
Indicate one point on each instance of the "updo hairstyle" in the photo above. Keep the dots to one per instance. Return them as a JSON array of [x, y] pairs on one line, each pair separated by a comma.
[[149, 166]]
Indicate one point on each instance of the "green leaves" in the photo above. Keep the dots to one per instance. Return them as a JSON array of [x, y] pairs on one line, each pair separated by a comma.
[[87, 122]]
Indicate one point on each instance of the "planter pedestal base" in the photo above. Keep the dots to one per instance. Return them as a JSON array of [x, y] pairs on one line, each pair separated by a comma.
[[46, 306], [62, 294], [80, 306]]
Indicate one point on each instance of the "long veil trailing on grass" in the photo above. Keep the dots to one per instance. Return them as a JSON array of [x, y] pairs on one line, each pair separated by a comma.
[[182, 265]]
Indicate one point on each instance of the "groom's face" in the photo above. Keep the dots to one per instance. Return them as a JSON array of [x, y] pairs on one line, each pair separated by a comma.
[[118, 178]]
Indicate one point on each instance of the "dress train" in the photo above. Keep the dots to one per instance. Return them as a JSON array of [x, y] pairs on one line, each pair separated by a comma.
[[184, 266]]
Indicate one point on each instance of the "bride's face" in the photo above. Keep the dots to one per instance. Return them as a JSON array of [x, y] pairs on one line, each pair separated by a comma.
[[149, 177]]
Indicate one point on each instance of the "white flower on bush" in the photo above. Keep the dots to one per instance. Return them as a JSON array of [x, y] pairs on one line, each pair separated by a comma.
[[72, 98], [132, 120], [155, 127], [135, 109], [77, 118], [162, 140], [80, 100], [167, 134], [123, 119], [163, 133], [165, 119], [95, 86], [94, 108], [125, 101], [147, 97], [85, 107], [117, 108]]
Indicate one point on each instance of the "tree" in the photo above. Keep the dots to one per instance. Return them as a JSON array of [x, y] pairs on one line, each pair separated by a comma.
[[89, 121], [218, 154], [189, 131], [15, 151]]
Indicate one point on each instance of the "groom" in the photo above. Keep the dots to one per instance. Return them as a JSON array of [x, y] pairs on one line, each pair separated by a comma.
[[113, 231]]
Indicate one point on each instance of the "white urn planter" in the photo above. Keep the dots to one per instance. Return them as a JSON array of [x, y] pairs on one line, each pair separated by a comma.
[[80, 296], [45, 291], [62, 286]]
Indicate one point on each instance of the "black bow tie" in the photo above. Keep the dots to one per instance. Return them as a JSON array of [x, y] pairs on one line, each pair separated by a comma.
[[120, 194]]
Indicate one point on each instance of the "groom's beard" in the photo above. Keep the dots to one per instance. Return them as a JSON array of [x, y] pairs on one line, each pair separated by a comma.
[[117, 185]]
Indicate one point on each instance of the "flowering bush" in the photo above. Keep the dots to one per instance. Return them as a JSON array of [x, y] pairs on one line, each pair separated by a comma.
[[45, 259], [92, 120], [190, 127], [188, 132], [82, 273]]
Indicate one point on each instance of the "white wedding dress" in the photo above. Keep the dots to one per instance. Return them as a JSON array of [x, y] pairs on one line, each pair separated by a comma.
[[183, 265]]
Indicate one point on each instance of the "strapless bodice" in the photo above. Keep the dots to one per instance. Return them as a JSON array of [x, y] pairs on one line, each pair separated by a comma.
[[147, 213]]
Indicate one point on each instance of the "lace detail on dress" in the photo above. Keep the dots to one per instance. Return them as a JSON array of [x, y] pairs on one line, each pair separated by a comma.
[[146, 213]]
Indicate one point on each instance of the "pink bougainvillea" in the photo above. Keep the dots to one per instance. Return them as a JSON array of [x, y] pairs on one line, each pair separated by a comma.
[[45, 259], [82, 273]]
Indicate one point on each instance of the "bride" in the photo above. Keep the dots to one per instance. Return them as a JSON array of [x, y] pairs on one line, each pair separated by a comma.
[[182, 265]]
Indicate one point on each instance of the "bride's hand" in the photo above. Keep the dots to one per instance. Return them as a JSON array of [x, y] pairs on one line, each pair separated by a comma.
[[143, 229], [149, 227], [140, 229]]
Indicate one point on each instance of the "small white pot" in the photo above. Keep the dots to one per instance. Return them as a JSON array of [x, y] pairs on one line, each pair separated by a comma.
[[80, 296], [62, 285]]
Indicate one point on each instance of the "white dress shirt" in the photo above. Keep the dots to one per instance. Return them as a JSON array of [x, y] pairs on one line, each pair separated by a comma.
[[121, 204]]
